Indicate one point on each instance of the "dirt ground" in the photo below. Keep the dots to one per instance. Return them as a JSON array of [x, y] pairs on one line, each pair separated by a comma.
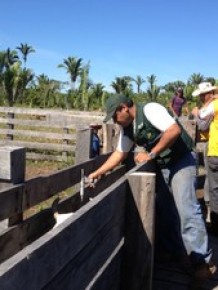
[[36, 168]]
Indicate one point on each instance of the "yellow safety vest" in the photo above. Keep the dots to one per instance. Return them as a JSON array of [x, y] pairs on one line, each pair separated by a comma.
[[213, 132]]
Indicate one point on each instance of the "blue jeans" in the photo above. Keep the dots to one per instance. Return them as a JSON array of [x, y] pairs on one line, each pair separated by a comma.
[[183, 211]]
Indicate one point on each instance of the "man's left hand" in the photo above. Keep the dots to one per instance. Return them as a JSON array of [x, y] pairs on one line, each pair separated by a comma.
[[142, 157]]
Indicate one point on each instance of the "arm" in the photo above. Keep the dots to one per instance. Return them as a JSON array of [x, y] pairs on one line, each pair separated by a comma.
[[167, 139], [187, 110], [203, 124], [114, 160], [165, 123], [170, 106]]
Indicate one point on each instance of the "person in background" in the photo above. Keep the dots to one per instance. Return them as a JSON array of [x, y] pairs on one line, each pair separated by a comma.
[[96, 144], [166, 142], [177, 102], [205, 91], [211, 113]]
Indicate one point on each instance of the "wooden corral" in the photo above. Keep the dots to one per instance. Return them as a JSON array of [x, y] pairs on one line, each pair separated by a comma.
[[106, 244]]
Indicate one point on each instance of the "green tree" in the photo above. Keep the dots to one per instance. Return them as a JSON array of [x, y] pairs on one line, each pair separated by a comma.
[[122, 85], [211, 80], [25, 49], [97, 96], [153, 90], [195, 79], [73, 67], [139, 81]]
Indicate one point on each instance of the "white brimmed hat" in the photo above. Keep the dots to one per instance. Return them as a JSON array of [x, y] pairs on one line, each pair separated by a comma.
[[203, 88]]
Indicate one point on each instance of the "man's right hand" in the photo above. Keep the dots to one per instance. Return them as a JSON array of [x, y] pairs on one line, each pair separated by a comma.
[[91, 180]]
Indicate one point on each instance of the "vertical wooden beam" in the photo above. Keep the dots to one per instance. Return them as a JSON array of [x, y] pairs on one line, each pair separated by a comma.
[[110, 137], [139, 236], [11, 116], [13, 160], [83, 145], [64, 153]]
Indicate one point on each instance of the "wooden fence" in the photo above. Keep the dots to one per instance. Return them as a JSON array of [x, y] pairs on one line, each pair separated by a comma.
[[46, 134], [106, 244], [52, 135]]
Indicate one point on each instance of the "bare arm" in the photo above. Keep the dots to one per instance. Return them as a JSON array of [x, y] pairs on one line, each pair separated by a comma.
[[166, 140], [170, 106], [114, 160]]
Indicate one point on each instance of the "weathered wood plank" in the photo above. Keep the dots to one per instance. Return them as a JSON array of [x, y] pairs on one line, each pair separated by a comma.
[[83, 145], [41, 146], [13, 161], [39, 134], [139, 245], [17, 198], [17, 237], [110, 278], [76, 243], [14, 239], [11, 198], [73, 203]]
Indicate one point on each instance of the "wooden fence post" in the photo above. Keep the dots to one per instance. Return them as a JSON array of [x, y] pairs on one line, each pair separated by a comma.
[[11, 116], [83, 145], [12, 170], [139, 236], [64, 153], [110, 137]]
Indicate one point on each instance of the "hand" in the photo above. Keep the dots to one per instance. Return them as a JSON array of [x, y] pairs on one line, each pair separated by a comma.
[[195, 111], [91, 180], [141, 157]]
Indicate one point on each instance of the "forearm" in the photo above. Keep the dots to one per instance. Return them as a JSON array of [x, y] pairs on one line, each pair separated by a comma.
[[167, 139], [114, 160]]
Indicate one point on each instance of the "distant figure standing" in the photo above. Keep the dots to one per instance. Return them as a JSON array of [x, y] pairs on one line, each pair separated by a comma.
[[211, 113], [177, 102], [96, 144], [205, 92]]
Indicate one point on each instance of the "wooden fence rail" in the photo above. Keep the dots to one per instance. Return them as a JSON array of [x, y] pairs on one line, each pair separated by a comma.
[[46, 134], [90, 250]]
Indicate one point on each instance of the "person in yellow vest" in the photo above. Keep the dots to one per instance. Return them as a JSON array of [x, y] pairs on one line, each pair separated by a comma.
[[203, 130], [211, 113]]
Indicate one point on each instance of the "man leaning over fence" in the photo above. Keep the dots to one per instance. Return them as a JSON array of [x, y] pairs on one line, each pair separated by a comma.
[[181, 227]]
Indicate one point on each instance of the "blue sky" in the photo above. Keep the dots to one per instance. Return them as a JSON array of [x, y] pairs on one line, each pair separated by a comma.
[[171, 39]]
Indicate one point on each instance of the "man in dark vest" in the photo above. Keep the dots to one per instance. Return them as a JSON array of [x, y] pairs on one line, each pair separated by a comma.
[[165, 141]]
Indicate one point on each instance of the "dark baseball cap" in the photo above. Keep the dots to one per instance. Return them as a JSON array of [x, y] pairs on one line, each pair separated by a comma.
[[112, 103]]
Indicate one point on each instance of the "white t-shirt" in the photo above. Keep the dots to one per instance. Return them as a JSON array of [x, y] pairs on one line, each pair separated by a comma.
[[206, 111], [157, 115]]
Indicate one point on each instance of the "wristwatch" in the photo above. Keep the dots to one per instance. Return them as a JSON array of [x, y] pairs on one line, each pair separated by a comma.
[[152, 155]]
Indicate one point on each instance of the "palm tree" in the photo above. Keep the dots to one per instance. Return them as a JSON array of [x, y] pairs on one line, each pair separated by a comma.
[[44, 87], [10, 58], [211, 80], [139, 81], [73, 68], [153, 90], [25, 78], [25, 49], [84, 87], [10, 74], [196, 79], [122, 85], [171, 87], [97, 94]]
